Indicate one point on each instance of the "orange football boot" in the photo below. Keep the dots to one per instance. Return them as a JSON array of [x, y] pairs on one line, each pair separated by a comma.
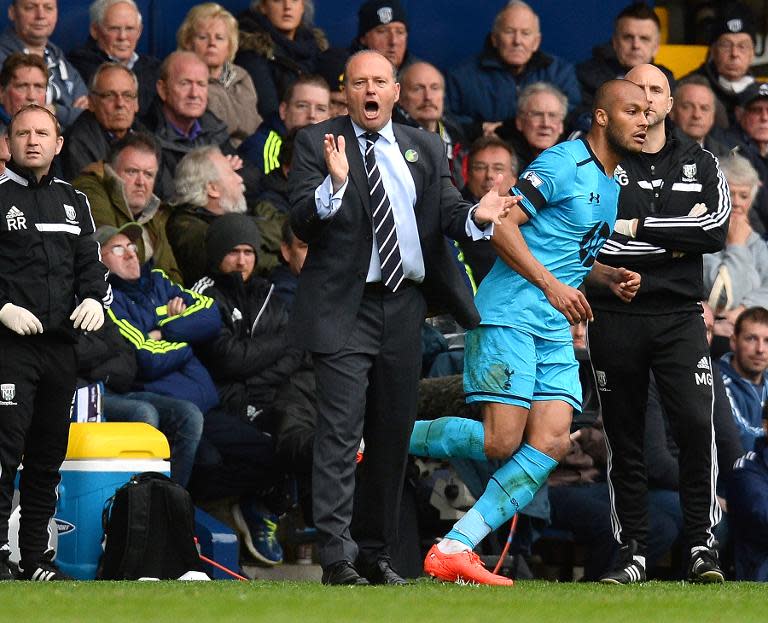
[[463, 567]]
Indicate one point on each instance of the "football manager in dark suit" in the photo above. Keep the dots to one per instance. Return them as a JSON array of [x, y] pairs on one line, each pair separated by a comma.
[[374, 201]]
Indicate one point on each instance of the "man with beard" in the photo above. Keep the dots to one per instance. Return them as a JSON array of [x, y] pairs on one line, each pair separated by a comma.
[[206, 187], [674, 207], [519, 363]]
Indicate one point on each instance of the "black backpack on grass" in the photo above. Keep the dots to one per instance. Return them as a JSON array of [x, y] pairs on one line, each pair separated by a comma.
[[148, 530]]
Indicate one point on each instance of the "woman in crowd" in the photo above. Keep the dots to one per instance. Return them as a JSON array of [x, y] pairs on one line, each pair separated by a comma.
[[210, 31], [737, 277], [278, 44]]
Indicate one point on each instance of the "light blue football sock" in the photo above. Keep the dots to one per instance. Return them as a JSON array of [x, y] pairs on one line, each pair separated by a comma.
[[514, 484], [448, 437], [510, 489], [470, 529]]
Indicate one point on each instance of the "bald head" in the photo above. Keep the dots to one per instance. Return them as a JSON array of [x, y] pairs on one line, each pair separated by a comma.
[[657, 91], [613, 91], [619, 121]]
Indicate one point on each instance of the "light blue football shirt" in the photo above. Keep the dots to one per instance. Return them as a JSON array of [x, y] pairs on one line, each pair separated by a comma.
[[571, 204]]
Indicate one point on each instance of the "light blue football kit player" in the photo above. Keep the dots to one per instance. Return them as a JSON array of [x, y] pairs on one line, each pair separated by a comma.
[[523, 350], [520, 362]]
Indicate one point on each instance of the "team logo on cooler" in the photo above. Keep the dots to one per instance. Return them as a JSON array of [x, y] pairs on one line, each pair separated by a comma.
[[385, 14], [689, 172], [63, 527], [70, 212], [533, 178], [8, 391]]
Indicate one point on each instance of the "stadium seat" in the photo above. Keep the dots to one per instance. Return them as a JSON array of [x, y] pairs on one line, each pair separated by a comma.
[[681, 59], [663, 14]]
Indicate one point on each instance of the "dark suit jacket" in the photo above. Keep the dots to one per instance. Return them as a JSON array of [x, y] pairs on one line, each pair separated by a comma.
[[332, 280]]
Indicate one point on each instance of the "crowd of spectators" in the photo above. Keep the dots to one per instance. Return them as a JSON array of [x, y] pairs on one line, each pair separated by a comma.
[[185, 162]]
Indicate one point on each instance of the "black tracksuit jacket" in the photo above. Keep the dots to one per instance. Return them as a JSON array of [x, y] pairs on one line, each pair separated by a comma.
[[660, 190], [49, 260]]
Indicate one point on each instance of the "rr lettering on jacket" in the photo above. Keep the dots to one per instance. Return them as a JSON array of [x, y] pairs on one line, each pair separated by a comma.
[[15, 219]]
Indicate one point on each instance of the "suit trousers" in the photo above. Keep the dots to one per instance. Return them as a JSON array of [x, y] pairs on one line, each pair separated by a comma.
[[623, 348], [37, 377], [366, 390]]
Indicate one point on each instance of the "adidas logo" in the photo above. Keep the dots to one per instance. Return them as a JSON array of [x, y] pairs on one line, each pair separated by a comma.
[[703, 364], [14, 212]]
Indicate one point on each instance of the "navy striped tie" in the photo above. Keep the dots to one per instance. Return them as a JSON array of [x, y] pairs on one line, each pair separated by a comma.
[[383, 220]]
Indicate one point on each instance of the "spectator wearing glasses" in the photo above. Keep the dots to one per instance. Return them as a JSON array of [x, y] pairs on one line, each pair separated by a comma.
[[306, 101], [113, 104], [541, 110], [115, 29], [488, 157], [731, 52]]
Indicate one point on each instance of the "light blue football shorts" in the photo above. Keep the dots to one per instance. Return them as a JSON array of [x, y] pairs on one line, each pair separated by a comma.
[[503, 364]]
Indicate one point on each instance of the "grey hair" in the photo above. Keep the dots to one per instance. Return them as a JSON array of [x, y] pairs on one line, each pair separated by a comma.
[[99, 8], [109, 66], [193, 174], [511, 5], [541, 87], [693, 80], [740, 172], [308, 17]]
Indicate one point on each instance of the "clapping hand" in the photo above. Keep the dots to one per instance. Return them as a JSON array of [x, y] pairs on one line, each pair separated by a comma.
[[336, 160]]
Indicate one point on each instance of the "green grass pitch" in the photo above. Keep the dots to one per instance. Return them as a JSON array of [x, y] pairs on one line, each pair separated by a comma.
[[423, 602]]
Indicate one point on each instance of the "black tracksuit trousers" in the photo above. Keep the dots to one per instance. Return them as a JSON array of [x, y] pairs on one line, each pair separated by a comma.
[[623, 348], [37, 383]]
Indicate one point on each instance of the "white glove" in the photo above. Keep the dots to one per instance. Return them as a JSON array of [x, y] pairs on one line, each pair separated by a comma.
[[626, 227], [698, 209], [20, 320], [89, 315]]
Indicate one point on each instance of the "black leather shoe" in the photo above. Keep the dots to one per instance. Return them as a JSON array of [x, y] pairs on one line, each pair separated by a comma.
[[343, 573], [382, 573]]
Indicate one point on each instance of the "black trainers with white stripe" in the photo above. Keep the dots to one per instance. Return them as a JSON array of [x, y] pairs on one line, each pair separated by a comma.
[[705, 567], [44, 571], [629, 570]]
